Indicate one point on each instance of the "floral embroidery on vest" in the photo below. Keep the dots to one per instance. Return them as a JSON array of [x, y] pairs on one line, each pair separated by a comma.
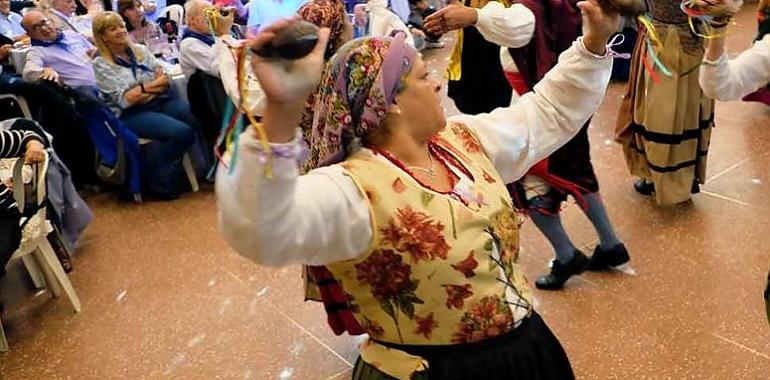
[[442, 266]]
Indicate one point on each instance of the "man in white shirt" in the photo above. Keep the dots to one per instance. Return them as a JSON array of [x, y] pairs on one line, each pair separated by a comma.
[[62, 13], [197, 50]]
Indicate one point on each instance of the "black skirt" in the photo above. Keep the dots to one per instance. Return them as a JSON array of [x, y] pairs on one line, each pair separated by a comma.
[[529, 352]]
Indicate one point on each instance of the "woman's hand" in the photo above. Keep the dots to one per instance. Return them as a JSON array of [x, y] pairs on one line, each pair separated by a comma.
[[452, 17], [34, 152], [721, 10], [598, 26], [161, 81], [286, 84]]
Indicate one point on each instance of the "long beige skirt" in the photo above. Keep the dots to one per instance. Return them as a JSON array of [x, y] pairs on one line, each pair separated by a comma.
[[665, 126]]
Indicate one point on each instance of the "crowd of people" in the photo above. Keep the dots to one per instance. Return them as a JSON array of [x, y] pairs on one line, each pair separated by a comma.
[[406, 221]]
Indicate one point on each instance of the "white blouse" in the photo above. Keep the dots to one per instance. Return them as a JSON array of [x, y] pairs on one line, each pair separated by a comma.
[[320, 217], [731, 79]]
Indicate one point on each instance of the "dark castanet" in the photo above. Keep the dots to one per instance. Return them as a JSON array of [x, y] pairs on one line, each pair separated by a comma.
[[295, 42]]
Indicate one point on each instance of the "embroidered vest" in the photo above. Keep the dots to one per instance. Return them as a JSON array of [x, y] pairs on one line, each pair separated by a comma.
[[442, 268]]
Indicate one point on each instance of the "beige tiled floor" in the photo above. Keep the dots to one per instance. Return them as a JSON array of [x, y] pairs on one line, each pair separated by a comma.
[[164, 298]]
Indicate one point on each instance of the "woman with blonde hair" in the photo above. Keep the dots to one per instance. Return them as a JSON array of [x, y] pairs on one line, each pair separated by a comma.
[[135, 85]]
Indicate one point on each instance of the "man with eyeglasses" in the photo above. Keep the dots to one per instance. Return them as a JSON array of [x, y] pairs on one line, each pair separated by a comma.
[[60, 56], [60, 60]]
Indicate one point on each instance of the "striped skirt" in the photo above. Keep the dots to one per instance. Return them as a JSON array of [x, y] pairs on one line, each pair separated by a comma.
[[665, 121]]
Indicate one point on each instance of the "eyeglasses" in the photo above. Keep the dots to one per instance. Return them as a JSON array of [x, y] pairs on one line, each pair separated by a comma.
[[40, 24]]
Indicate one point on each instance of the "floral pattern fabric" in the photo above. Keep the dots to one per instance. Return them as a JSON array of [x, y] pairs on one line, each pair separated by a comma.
[[442, 267], [356, 90]]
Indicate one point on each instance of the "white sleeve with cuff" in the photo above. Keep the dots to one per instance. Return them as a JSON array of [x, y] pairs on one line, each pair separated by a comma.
[[321, 217], [511, 27], [517, 137], [732, 79], [317, 218]]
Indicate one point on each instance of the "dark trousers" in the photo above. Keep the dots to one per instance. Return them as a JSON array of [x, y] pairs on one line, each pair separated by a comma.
[[58, 110], [169, 123], [10, 236]]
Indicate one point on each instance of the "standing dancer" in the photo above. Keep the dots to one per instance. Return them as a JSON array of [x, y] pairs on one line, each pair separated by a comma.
[[665, 120], [477, 82], [406, 210], [568, 171]]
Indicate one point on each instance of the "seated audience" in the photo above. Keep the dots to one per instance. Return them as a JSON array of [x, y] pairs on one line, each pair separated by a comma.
[[382, 22], [199, 59], [152, 9], [61, 60], [134, 84], [418, 10], [139, 28], [10, 22], [14, 144], [62, 13], [197, 50], [60, 56]]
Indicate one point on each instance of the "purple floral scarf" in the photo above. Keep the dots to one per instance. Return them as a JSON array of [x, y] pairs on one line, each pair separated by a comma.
[[356, 91]]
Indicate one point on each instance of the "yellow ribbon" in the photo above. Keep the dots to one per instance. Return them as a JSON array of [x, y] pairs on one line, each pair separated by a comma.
[[266, 150], [704, 36]]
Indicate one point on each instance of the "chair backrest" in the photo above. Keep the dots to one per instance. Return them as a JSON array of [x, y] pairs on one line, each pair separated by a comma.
[[21, 102], [174, 12], [19, 192]]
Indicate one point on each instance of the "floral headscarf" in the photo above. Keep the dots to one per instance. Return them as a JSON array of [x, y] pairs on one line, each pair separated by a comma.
[[357, 88], [326, 14]]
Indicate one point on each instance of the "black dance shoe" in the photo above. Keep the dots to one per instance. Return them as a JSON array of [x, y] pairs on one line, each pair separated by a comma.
[[606, 259], [560, 273], [643, 187]]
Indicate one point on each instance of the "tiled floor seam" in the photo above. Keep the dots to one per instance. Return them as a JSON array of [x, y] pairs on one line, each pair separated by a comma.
[[729, 199], [295, 323], [727, 170], [338, 376], [739, 345]]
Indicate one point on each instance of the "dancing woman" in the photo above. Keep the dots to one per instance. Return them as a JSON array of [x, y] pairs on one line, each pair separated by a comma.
[[409, 211]]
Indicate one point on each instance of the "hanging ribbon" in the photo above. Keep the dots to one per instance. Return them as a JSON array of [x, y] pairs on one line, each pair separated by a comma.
[[693, 12], [653, 41], [232, 123]]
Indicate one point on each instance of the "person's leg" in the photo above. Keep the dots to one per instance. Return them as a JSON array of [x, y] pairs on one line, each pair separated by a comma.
[[610, 252], [10, 236], [597, 214], [174, 134], [174, 138], [546, 217], [200, 152], [569, 260], [180, 110]]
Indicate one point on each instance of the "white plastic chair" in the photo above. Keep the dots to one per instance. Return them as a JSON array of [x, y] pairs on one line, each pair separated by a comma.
[[174, 12], [35, 250]]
